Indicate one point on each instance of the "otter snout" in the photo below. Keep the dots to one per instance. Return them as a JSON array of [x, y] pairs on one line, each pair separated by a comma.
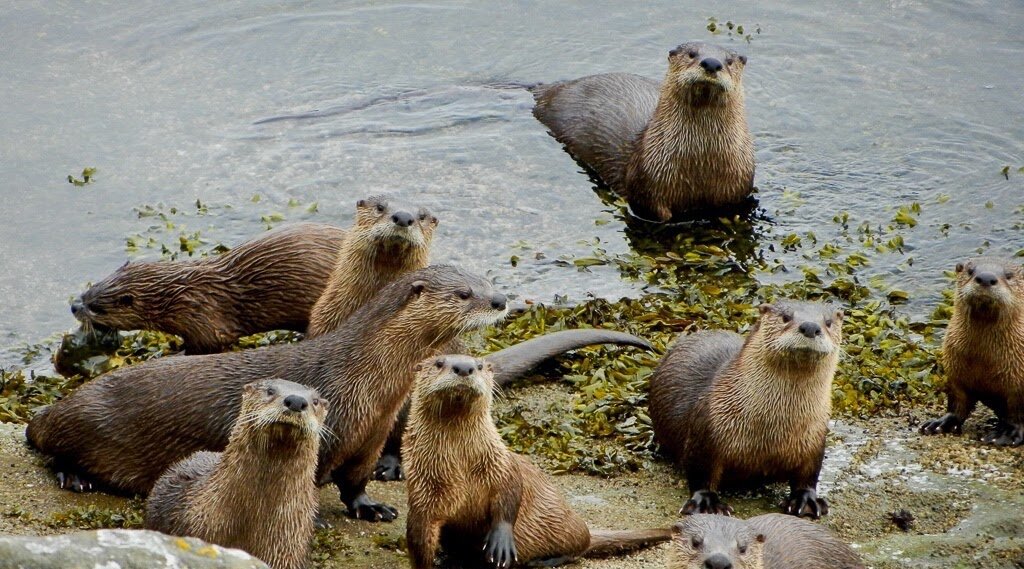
[[78, 307], [711, 65], [810, 330], [463, 368], [499, 301], [717, 561], [403, 218], [296, 403], [986, 279]]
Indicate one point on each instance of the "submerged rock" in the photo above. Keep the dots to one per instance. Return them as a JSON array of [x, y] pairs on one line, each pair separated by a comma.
[[119, 549]]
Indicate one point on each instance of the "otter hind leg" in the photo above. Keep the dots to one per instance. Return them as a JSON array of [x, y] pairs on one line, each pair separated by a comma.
[[1005, 434], [706, 502], [805, 502], [67, 479], [388, 469]]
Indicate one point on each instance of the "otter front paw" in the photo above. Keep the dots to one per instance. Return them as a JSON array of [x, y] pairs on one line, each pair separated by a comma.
[[805, 502], [705, 502], [73, 482], [500, 546], [1005, 434], [389, 469], [364, 508], [948, 423]]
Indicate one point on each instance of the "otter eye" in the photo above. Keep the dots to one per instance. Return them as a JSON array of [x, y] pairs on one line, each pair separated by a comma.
[[439, 364], [970, 271], [742, 547], [125, 300], [423, 216], [464, 294], [729, 61], [696, 542], [271, 391], [380, 208], [1008, 275], [787, 318], [828, 322], [692, 53], [480, 367]]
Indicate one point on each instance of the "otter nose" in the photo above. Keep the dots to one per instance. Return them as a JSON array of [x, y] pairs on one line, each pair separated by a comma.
[[717, 561], [810, 329], [463, 369], [986, 279], [402, 218], [296, 403], [498, 301], [711, 65], [77, 306]]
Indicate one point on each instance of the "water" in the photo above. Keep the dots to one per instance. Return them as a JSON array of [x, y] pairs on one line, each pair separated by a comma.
[[858, 106]]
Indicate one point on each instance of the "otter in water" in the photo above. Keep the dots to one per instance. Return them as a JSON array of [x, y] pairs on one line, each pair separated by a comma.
[[731, 411], [125, 428], [983, 351], [260, 494], [771, 541], [669, 148], [472, 496]]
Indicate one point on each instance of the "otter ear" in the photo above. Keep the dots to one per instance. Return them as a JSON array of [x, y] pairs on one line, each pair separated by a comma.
[[361, 203], [674, 52], [840, 314], [250, 387], [743, 59], [418, 287], [764, 308], [417, 367], [759, 538], [434, 221], [959, 267]]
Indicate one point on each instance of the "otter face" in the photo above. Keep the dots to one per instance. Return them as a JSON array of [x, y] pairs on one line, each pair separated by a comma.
[[125, 300], [454, 383], [706, 73], [704, 541], [278, 402], [456, 300], [806, 328], [382, 223], [984, 285]]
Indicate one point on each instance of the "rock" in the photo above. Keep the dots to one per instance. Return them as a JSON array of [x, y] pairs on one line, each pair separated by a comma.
[[119, 549]]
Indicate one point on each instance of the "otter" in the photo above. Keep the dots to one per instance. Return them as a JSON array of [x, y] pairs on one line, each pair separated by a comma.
[[667, 149], [731, 411], [259, 495], [508, 365], [472, 496], [124, 428], [770, 541], [983, 351]]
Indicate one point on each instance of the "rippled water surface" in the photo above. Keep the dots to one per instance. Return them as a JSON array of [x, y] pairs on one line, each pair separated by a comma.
[[857, 106]]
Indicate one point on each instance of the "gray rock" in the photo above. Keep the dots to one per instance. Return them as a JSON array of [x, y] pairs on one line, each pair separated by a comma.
[[119, 549]]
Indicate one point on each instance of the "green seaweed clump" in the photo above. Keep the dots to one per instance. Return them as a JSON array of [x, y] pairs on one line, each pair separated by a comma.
[[130, 516]]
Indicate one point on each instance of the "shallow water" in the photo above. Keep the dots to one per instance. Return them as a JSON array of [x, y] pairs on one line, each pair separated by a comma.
[[858, 106]]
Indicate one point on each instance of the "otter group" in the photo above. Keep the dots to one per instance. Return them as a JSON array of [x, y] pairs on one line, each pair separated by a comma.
[[205, 433]]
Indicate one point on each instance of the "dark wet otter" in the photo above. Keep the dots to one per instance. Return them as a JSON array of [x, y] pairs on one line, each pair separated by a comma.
[[508, 365], [771, 541], [669, 148], [125, 428], [735, 411], [983, 351], [260, 494], [472, 496]]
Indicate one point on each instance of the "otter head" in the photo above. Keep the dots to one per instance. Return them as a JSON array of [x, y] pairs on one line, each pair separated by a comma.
[[702, 73], [130, 298], [454, 385], [987, 287], [704, 541], [382, 226], [800, 330], [282, 408]]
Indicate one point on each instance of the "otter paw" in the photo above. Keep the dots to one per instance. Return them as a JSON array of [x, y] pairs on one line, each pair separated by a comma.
[[320, 523], [705, 502], [500, 546], [73, 482], [1005, 434], [948, 423], [805, 502], [389, 469], [364, 508]]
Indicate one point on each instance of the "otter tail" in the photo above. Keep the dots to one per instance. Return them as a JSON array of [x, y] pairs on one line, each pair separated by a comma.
[[514, 361], [605, 543]]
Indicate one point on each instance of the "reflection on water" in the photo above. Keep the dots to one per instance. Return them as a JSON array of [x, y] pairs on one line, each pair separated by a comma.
[[854, 106]]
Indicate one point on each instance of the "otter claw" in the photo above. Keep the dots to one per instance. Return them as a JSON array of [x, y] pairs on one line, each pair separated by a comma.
[[389, 469], [705, 502], [948, 423], [363, 508], [805, 502], [500, 546], [73, 482]]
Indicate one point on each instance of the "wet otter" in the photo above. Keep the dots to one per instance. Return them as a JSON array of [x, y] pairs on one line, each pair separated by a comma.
[[259, 495], [668, 148], [472, 496], [125, 428], [771, 541], [745, 412], [508, 365], [983, 351], [385, 242]]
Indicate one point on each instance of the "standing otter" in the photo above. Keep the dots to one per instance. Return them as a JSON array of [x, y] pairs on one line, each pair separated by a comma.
[[983, 351], [468, 492], [733, 411], [771, 541], [223, 497], [125, 428], [667, 149]]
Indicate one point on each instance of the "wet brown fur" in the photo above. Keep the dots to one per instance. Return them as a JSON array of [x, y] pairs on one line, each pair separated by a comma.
[[735, 411], [259, 495], [463, 481], [667, 149]]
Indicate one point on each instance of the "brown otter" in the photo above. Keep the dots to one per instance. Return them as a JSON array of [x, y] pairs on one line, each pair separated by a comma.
[[125, 428], [983, 351], [385, 242], [667, 149], [472, 496], [731, 411], [771, 541], [260, 494]]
